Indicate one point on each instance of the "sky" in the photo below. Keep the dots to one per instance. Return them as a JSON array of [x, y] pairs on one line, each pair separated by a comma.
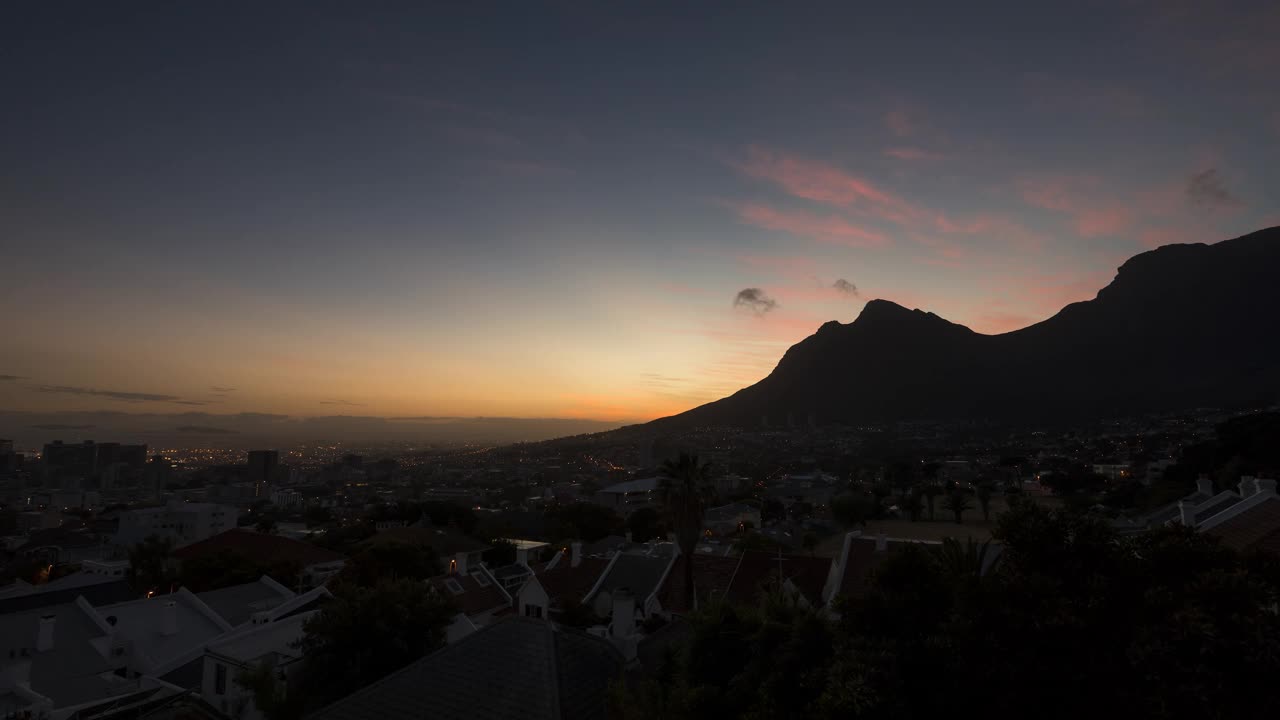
[[613, 211]]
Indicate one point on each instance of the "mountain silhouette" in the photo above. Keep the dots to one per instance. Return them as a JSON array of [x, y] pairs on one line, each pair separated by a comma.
[[1182, 326]]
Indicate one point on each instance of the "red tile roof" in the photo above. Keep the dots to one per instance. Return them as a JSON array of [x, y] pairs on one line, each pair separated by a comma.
[[1255, 528], [760, 570], [259, 546], [475, 599], [711, 577], [565, 582]]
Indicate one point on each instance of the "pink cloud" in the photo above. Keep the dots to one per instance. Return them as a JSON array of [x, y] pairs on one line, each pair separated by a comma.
[[911, 154], [1074, 196], [899, 122], [831, 229], [816, 181]]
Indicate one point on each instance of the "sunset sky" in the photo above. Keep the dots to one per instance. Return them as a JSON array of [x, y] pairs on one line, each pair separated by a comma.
[[583, 210]]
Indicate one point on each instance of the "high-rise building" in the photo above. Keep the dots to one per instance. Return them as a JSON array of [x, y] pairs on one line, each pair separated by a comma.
[[62, 459], [262, 465]]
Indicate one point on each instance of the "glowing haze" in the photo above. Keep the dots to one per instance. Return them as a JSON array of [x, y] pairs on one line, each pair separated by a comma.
[[583, 211]]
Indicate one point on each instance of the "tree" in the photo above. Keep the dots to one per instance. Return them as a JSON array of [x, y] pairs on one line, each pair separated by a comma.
[[983, 493], [586, 521], [366, 633], [266, 525], [376, 562], [270, 692], [502, 552], [957, 503], [684, 491], [809, 541], [148, 564], [643, 524], [226, 568], [317, 516], [851, 510]]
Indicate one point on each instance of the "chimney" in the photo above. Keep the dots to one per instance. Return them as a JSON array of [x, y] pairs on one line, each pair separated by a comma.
[[576, 559], [1247, 486], [522, 556], [1266, 486], [675, 545], [623, 623], [169, 618], [44, 635], [628, 537], [460, 563], [1204, 484], [1187, 513], [882, 542]]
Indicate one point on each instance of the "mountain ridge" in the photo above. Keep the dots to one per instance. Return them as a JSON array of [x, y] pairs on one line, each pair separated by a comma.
[[1179, 326]]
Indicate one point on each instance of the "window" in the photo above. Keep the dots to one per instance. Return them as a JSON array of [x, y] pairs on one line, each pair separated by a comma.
[[453, 586], [480, 578], [533, 611], [220, 679]]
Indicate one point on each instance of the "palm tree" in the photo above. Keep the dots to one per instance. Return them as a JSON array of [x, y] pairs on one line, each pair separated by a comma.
[[957, 503], [684, 492], [962, 563]]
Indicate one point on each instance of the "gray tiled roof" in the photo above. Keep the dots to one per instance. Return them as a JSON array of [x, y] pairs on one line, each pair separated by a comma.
[[237, 603], [516, 668], [1213, 508], [638, 573]]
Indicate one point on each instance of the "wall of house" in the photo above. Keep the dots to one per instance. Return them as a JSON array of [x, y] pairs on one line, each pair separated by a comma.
[[532, 594]]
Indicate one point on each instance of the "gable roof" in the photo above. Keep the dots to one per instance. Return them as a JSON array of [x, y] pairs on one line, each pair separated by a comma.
[[565, 582], [113, 591], [519, 667], [638, 573], [757, 570], [475, 598], [237, 603], [1257, 527], [259, 545], [712, 575]]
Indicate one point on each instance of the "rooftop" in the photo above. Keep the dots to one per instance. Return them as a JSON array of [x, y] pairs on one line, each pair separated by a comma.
[[1256, 528], [473, 594], [259, 545], [517, 668], [565, 582], [238, 603], [638, 573]]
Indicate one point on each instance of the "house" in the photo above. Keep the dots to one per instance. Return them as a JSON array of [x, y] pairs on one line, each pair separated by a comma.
[[62, 545], [182, 523], [316, 563], [637, 575], [731, 519], [561, 585], [627, 497], [1204, 508], [226, 658], [1252, 523], [478, 596], [516, 668], [466, 551]]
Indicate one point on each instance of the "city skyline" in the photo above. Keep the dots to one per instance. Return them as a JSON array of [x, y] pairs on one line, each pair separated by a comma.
[[554, 214]]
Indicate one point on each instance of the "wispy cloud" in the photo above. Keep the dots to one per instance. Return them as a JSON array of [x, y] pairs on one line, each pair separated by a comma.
[[831, 229], [203, 430], [819, 182], [120, 395], [56, 427], [1080, 199], [911, 153], [341, 402], [221, 390], [755, 300], [11, 378], [845, 287], [900, 122], [1206, 189]]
